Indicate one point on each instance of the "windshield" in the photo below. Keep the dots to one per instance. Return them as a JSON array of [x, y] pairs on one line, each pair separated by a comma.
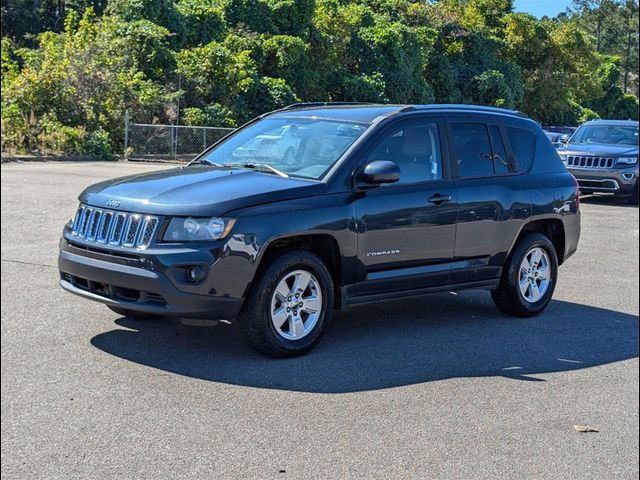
[[607, 135], [298, 147]]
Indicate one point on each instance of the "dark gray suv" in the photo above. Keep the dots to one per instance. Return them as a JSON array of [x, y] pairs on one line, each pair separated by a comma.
[[376, 202], [603, 156]]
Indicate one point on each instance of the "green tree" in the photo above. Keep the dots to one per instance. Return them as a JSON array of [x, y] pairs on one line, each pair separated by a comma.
[[596, 15], [70, 68], [203, 21]]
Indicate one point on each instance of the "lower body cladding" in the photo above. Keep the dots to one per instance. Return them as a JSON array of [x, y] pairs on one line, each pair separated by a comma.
[[133, 284], [620, 181]]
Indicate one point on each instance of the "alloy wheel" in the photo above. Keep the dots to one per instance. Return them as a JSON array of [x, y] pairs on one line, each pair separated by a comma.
[[535, 274], [296, 305]]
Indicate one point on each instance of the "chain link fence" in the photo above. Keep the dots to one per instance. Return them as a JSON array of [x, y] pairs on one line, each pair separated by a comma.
[[169, 142]]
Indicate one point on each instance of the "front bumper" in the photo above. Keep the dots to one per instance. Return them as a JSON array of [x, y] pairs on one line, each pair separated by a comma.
[[144, 284], [620, 181]]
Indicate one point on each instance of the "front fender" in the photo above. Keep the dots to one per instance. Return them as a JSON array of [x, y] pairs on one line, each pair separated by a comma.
[[257, 229]]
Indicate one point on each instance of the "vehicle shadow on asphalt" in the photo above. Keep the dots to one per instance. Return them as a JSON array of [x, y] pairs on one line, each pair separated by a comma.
[[391, 344]]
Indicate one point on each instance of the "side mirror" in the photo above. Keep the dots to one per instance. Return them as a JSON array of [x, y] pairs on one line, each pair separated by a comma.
[[377, 173], [564, 138]]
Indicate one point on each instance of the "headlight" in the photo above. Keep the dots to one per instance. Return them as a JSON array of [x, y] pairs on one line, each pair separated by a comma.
[[198, 229], [627, 160]]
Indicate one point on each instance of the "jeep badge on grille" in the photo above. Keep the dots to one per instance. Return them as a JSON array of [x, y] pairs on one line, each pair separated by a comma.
[[113, 203]]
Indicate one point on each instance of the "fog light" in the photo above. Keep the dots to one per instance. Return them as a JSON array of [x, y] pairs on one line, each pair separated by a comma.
[[195, 274], [628, 176]]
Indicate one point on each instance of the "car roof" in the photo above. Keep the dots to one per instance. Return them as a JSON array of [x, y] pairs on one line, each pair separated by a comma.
[[364, 113], [368, 113], [628, 123]]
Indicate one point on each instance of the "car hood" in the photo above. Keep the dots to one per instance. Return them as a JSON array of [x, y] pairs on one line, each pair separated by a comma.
[[598, 149], [196, 190]]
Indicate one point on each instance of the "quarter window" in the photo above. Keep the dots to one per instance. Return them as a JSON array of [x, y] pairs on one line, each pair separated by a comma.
[[523, 144], [415, 147]]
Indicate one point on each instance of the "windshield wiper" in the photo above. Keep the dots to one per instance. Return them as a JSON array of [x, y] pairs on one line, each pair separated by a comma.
[[262, 167], [204, 161]]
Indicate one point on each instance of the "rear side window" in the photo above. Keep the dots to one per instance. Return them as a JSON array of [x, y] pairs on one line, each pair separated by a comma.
[[523, 144], [500, 160], [472, 150]]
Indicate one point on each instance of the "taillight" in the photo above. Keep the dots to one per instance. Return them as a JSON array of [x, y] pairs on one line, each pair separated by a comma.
[[577, 187]]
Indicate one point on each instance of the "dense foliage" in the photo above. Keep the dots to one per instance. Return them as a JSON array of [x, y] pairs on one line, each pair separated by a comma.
[[71, 68]]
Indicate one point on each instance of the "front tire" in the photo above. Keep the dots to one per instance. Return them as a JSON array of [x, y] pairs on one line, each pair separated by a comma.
[[289, 306], [529, 277]]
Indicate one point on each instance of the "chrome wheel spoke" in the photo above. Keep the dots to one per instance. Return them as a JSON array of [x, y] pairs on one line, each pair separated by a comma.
[[524, 286], [279, 317], [301, 282], [312, 304], [536, 256], [282, 291], [296, 326], [535, 292], [544, 273]]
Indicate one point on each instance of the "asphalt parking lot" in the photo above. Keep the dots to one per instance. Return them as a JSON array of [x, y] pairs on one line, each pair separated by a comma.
[[439, 387]]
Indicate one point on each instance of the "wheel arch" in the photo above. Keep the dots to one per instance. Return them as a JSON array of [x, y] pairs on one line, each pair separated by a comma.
[[324, 245], [552, 228]]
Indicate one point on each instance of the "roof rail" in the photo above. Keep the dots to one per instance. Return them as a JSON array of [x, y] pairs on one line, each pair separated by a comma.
[[324, 104], [454, 106], [409, 108]]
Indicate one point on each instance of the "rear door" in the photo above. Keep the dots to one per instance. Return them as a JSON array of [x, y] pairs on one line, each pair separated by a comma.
[[492, 198], [406, 230]]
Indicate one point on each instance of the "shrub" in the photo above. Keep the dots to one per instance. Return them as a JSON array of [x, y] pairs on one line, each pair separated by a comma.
[[97, 143]]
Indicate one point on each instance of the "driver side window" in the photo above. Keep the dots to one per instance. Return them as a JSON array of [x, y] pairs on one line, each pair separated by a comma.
[[415, 147]]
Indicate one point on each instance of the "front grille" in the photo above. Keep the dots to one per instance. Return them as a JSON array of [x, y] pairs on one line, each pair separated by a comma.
[[589, 162], [114, 228]]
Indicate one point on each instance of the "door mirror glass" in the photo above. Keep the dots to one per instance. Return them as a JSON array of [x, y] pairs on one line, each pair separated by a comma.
[[376, 173], [564, 138]]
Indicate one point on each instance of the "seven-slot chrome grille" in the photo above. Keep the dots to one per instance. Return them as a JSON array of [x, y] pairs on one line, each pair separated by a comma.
[[589, 162], [110, 227]]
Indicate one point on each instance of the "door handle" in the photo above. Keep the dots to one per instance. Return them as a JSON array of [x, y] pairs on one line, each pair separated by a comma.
[[439, 199]]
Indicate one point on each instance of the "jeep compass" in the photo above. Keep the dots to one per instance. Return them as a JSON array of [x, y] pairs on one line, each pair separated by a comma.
[[320, 206]]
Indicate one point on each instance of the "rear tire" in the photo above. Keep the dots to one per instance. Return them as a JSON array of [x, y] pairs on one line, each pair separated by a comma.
[[277, 322], [141, 316], [528, 278]]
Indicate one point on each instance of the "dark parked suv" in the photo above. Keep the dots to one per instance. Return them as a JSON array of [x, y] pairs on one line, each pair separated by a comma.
[[360, 203]]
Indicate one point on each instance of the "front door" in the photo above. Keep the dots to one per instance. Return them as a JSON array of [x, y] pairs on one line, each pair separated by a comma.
[[406, 230]]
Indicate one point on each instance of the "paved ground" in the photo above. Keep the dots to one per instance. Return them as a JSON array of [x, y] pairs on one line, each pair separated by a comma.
[[443, 387]]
